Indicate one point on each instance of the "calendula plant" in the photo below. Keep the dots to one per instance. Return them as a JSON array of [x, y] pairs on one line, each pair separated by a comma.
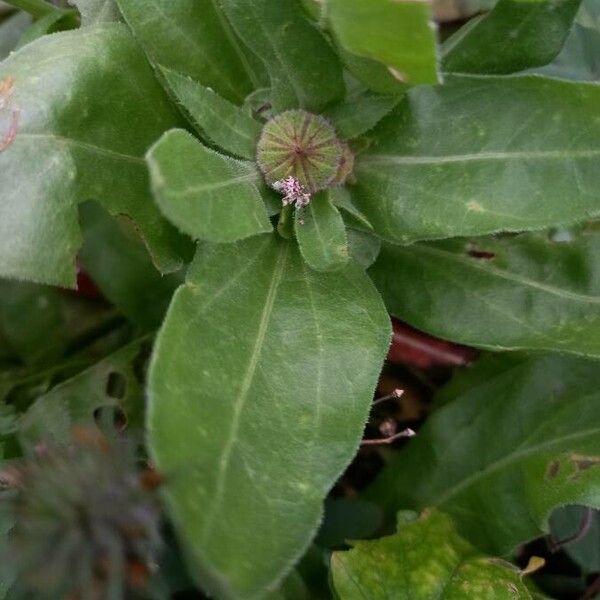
[[241, 195]]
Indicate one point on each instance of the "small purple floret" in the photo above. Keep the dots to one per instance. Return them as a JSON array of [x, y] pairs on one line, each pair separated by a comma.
[[293, 191]]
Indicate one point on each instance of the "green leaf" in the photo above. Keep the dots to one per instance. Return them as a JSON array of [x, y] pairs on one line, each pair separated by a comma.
[[57, 153], [39, 324], [566, 523], [526, 292], [97, 11], [11, 31], [207, 195], [580, 56], [529, 165], [304, 70], [321, 234], [113, 382], [119, 264], [425, 560], [515, 35], [399, 34], [223, 123], [363, 246], [505, 453], [348, 519], [360, 112], [260, 385], [194, 38], [372, 74]]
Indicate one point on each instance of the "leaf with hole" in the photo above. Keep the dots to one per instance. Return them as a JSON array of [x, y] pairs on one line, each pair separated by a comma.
[[240, 445], [113, 384]]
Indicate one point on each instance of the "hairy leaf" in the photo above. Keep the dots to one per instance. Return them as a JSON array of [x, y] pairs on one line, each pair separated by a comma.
[[481, 155], [223, 123], [526, 292], [63, 143], [193, 37], [304, 71], [398, 34], [425, 560], [515, 35], [506, 452], [207, 195], [321, 234], [260, 386]]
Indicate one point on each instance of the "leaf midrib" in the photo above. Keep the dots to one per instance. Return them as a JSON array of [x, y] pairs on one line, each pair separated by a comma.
[[408, 160], [502, 274], [79, 144], [243, 394]]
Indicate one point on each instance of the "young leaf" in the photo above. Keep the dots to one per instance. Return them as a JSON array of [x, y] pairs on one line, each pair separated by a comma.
[[97, 11], [514, 36], [207, 195], [425, 560], [505, 453], [525, 292], [304, 70], [321, 234], [54, 154], [260, 385], [119, 265], [194, 38], [504, 158], [223, 123], [398, 34]]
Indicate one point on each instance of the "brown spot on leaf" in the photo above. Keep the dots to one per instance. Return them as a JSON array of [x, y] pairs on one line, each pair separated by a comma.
[[553, 469], [582, 463]]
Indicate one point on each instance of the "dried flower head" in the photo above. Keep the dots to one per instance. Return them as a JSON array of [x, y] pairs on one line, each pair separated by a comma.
[[87, 523]]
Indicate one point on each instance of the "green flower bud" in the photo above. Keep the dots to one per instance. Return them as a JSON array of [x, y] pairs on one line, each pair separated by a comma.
[[303, 146]]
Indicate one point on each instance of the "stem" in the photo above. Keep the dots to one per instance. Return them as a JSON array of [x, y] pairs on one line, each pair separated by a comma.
[[36, 8]]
